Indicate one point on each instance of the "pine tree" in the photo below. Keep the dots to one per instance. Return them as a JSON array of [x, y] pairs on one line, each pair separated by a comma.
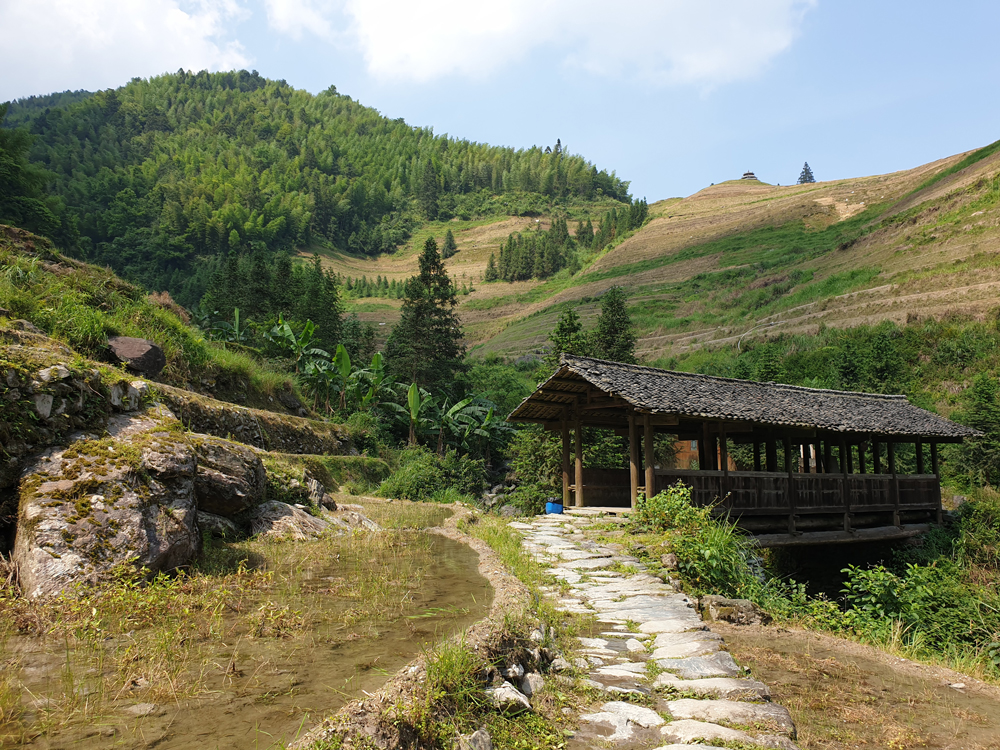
[[428, 195], [614, 337], [449, 247], [806, 175], [491, 269], [425, 346], [567, 338]]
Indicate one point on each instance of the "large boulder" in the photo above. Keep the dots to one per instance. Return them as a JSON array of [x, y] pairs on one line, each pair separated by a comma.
[[100, 504], [282, 520], [138, 355], [230, 477]]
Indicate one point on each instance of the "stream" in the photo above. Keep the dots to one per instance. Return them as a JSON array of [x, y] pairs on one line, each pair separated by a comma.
[[264, 692]]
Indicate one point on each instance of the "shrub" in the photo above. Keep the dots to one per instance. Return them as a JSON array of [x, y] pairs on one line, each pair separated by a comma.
[[712, 556], [423, 476]]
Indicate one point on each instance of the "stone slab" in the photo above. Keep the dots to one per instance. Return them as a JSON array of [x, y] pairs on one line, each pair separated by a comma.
[[763, 715], [720, 664], [716, 687]]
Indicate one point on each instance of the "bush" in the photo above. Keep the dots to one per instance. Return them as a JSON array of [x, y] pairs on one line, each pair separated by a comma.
[[712, 556], [423, 476]]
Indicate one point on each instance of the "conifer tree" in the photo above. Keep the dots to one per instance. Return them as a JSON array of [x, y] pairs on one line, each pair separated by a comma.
[[428, 195], [614, 337], [567, 338], [806, 175], [491, 269], [425, 346], [449, 247]]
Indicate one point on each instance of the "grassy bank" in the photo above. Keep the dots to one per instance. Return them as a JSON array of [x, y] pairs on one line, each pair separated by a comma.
[[936, 602]]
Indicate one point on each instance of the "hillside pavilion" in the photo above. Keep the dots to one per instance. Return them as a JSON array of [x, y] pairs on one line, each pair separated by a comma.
[[838, 481]]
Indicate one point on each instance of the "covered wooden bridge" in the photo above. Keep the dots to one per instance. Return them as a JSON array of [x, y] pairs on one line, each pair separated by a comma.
[[838, 479]]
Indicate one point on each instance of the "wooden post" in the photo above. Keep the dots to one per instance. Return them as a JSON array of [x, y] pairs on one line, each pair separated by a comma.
[[861, 457], [723, 450], [845, 483], [792, 498], [648, 445], [772, 455], [804, 458], [937, 484], [876, 458], [756, 456], [578, 428], [919, 445], [565, 458], [850, 459], [828, 456], [633, 458], [724, 460], [890, 448], [709, 448]]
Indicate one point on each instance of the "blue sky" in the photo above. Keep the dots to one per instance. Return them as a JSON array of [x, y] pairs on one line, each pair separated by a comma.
[[672, 94]]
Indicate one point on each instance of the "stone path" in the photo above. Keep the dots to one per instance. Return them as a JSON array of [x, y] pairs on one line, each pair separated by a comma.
[[668, 681]]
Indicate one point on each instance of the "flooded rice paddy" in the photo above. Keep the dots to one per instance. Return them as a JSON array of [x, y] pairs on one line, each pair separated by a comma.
[[238, 660]]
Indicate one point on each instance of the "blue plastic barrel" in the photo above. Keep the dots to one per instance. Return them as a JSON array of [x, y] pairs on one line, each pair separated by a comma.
[[553, 507]]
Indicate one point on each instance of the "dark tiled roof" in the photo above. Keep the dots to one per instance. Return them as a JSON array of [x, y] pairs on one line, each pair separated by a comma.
[[693, 396]]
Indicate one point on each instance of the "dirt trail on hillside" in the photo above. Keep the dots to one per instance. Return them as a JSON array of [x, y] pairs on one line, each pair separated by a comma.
[[848, 695]]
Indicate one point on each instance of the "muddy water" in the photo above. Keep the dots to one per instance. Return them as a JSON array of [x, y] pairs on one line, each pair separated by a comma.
[[261, 693], [846, 695]]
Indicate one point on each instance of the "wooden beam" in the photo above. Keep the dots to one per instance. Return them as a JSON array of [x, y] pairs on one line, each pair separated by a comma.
[[891, 451], [861, 458], [934, 460], [565, 457], [876, 458], [578, 428], [772, 454], [791, 485], [845, 489], [919, 445], [880, 534], [648, 445], [633, 458]]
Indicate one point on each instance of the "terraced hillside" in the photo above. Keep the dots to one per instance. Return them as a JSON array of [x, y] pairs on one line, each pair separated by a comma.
[[743, 256]]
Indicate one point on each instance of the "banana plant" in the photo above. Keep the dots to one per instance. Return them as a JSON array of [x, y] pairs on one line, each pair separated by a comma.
[[373, 383], [232, 333], [342, 365], [319, 376], [492, 431], [298, 346], [454, 421], [416, 401]]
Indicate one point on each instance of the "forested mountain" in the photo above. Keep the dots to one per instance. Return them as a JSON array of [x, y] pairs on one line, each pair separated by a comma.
[[164, 177]]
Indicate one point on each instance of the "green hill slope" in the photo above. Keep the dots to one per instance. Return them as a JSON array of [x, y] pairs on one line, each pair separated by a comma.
[[164, 177], [740, 258]]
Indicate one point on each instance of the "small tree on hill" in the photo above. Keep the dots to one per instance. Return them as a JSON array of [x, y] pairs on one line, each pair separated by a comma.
[[567, 338], [449, 247], [806, 175], [614, 337]]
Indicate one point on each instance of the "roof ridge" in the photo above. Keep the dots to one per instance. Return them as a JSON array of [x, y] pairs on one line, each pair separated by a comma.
[[697, 375]]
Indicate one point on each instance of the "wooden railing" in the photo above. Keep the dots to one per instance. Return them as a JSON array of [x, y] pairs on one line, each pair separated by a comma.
[[772, 499]]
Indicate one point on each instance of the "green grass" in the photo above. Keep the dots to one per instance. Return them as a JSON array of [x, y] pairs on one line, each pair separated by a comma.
[[968, 161], [82, 305]]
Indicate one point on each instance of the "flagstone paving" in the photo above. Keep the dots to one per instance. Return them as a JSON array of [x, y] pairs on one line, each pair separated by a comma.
[[651, 649]]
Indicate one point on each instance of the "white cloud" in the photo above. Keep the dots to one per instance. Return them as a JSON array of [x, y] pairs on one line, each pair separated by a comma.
[[699, 42], [53, 45]]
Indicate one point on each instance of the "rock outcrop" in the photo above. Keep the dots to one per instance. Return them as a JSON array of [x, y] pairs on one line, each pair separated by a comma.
[[230, 477], [101, 504], [139, 355], [282, 520]]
